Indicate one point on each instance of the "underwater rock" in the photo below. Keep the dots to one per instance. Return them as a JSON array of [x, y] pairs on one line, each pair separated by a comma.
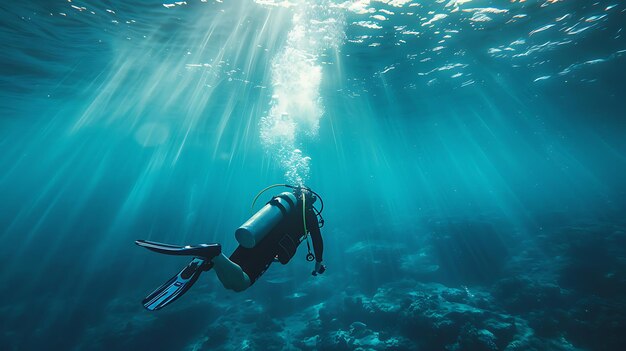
[[364, 339], [505, 328], [475, 339], [437, 317], [311, 342], [387, 301], [455, 295], [357, 329], [437, 321], [431, 315]]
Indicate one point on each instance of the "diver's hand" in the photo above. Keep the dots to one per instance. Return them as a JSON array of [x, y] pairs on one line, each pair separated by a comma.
[[319, 268]]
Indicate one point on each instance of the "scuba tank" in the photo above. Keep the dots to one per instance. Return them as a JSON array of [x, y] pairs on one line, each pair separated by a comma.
[[261, 223]]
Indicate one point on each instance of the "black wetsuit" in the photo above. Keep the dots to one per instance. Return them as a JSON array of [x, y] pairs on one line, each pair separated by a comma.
[[281, 242]]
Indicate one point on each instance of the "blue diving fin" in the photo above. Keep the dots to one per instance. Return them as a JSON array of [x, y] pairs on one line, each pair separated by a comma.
[[177, 285], [181, 282]]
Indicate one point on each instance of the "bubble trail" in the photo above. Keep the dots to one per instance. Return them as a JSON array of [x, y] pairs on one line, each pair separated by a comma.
[[296, 107]]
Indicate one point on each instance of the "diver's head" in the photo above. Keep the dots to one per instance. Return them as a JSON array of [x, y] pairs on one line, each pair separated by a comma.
[[307, 193]]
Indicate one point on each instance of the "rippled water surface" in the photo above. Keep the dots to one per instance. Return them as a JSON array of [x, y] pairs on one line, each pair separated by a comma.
[[470, 145]]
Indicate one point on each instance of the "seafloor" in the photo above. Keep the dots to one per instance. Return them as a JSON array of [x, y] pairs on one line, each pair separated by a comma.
[[558, 287]]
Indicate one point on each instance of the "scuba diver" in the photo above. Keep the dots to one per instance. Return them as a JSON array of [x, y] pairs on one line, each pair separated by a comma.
[[271, 235]]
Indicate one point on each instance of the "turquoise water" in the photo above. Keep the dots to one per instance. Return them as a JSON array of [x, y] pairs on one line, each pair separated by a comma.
[[457, 145]]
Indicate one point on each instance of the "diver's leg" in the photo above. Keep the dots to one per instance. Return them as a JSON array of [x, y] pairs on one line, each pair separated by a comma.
[[230, 274]]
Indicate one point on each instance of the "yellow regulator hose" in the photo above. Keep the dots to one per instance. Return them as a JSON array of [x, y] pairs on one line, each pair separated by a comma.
[[264, 190]]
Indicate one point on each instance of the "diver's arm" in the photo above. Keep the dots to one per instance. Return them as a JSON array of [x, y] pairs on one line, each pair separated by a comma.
[[318, 244], [316, 236]]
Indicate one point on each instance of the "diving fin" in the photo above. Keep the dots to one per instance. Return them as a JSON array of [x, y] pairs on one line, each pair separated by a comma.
[[177, 285], [181, 282], [208, 251]]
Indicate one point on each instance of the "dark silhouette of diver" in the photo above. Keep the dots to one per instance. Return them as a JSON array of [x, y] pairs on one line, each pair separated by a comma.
[[271, 235]]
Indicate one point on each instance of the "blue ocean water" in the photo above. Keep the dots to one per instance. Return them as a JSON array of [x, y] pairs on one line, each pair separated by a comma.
[[470, 154]]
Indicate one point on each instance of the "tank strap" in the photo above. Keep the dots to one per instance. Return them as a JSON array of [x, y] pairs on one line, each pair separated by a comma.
[[274, 201], [288, 199]]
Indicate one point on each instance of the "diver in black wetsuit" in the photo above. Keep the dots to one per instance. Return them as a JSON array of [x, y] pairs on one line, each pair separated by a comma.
[[246, 265], [272, 235]]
